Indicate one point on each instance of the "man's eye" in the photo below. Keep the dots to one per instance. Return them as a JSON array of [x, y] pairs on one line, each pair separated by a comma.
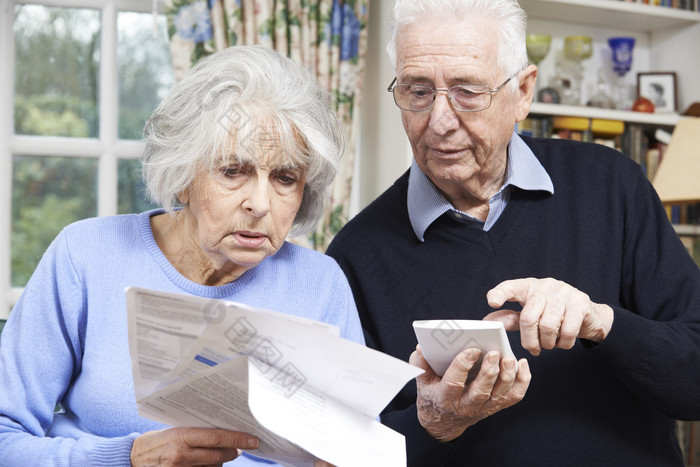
[[420, 92], [463, 93]]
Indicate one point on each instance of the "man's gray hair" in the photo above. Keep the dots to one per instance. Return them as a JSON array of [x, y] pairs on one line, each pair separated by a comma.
[[508, 17], [224, 107]]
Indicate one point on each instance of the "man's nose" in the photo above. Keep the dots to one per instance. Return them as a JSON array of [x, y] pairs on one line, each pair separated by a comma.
[[443, 117]]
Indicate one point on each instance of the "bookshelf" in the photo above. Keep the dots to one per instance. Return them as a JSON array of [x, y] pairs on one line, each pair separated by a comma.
[[665, 41], [614, 13], [664, 38], [659, 120]]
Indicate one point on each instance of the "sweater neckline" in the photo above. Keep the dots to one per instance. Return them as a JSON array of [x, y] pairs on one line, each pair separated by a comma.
[[144, 221], [490, 240]]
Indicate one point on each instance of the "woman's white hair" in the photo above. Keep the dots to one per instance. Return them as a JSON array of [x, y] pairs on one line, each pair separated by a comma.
[[507, 16], [224, 106]]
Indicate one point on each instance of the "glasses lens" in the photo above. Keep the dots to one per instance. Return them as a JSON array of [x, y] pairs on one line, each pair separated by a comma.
[[413, 96], [466, 98]]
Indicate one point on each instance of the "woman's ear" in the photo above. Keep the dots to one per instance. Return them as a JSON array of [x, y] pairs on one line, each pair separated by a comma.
[[184, 196]]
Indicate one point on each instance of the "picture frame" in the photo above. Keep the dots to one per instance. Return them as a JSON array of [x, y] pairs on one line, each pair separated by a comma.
[[660, 88]]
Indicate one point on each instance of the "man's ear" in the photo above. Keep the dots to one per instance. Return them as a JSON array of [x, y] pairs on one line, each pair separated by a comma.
[[527, 78]]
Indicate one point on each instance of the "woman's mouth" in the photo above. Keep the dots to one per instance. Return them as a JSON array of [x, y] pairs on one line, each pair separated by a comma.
[[250, 239]]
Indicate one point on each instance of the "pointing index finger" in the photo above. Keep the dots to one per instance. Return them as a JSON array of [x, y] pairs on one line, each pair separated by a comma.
[[508, 291]]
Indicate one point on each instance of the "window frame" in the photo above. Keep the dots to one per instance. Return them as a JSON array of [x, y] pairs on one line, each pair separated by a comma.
[[107, 147]]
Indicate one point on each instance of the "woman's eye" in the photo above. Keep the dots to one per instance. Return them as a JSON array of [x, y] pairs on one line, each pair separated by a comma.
[[286, 179], [231, 171]]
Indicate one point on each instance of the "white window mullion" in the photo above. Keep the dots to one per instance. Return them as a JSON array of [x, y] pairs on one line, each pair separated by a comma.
[[7, 71], [109, 114]]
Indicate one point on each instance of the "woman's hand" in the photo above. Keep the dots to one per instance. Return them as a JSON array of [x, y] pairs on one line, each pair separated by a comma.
[[189, 446]]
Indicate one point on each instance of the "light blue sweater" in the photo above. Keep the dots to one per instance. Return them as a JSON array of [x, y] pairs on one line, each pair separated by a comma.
[[66, 339]]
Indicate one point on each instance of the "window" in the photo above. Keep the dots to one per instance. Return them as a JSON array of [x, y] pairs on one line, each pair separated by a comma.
[[82, 78]]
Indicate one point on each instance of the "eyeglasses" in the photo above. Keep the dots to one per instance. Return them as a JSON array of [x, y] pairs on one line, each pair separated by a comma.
[[463, 97]]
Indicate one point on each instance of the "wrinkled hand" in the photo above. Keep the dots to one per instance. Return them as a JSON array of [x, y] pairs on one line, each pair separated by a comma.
[[553, 313], [189, 446], [447, 406]]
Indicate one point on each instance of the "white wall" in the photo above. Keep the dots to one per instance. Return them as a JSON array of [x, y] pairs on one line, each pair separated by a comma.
[[384, 149], [685, 61]]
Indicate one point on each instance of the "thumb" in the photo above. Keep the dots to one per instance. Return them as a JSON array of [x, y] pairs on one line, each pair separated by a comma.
[[417, 359], [509, 318]]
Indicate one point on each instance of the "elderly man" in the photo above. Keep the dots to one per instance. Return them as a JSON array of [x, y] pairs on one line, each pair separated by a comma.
[[565, 242]]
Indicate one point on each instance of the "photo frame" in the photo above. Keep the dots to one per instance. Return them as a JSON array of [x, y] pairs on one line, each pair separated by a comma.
[[660, 88]]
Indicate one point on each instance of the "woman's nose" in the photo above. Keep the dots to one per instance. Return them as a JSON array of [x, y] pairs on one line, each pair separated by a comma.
[[257, 198]]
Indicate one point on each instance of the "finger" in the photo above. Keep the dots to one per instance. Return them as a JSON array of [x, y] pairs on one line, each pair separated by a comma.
[[205, 456], [522, 379], [570, 328], [506, 378], [481, 388], [550, 321], [509, 318], [417, 359], [322, 464], [530, 321], [217, 438], [456, 375], [514, 290]]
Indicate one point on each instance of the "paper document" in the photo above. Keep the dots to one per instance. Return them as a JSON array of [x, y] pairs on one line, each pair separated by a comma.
[[305, 392]]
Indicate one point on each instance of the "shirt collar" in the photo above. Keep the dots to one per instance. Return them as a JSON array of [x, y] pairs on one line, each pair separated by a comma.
[[426, 203]]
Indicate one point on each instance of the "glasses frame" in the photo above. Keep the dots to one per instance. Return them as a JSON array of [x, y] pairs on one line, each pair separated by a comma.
[[454, 105]]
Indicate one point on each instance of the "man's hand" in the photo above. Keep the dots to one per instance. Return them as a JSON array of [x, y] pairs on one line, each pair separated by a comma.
[[447, 406], [189, 446], [553, 313]]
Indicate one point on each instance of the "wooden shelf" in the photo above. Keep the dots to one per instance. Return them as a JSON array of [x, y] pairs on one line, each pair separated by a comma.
[[687, 229], [670, 120], [612, 13]]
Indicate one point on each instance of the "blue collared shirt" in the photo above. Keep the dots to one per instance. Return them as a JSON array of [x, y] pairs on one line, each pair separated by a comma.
[[426, 203]]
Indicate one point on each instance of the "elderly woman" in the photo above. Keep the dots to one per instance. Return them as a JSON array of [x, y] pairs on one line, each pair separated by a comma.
[[239, 155]]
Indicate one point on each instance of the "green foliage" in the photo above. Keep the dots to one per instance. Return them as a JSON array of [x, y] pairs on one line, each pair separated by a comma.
[[56, 86], [35, 228], [132, 191], [337, 219], [48, 193], [53, 115], [57, 69], [145, 71]]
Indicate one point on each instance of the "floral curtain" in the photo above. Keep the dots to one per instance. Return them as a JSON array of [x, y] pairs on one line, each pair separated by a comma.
[[328, 37]]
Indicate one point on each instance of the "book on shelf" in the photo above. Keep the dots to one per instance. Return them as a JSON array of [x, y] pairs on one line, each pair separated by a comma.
[[692, 244], [691, 5], [600, 131], [597, 130], [635, 143], [536, 127]]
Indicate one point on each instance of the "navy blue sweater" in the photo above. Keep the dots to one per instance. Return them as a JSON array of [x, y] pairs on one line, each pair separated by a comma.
[[605, 232]]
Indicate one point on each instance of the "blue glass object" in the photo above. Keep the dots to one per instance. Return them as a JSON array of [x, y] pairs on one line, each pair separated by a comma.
[[621, 54]]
